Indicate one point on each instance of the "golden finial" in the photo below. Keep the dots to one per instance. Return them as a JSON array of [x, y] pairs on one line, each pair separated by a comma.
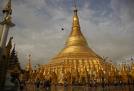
[[29, 66], [29, 59], [75, 6], [75, 17], [76, 38]]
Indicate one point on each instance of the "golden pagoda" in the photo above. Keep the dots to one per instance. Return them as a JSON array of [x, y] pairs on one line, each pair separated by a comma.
[[76, 47], [77, 62], [29, 66], [124, 73]]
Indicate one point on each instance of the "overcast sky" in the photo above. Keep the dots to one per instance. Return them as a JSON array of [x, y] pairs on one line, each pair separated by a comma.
[[108, 26]]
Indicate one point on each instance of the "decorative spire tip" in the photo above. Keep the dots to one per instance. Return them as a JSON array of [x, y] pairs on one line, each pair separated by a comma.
[[75, 5]]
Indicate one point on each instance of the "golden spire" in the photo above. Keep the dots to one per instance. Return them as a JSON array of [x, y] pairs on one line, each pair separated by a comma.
[[76, 42], [29, 66], [76, 45], [76, 37]]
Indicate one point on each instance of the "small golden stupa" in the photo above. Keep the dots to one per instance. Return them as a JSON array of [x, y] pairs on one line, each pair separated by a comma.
[[29, 66]]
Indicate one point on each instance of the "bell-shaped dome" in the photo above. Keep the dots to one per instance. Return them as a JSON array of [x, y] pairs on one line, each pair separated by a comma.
[[76, 45]]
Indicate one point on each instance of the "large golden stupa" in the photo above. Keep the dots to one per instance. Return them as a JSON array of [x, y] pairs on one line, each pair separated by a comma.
[[76, 48], [77, 63]]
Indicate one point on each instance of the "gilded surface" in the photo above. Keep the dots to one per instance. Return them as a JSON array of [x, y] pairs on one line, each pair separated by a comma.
[[76, 46], [76, 63], [29, 66]]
